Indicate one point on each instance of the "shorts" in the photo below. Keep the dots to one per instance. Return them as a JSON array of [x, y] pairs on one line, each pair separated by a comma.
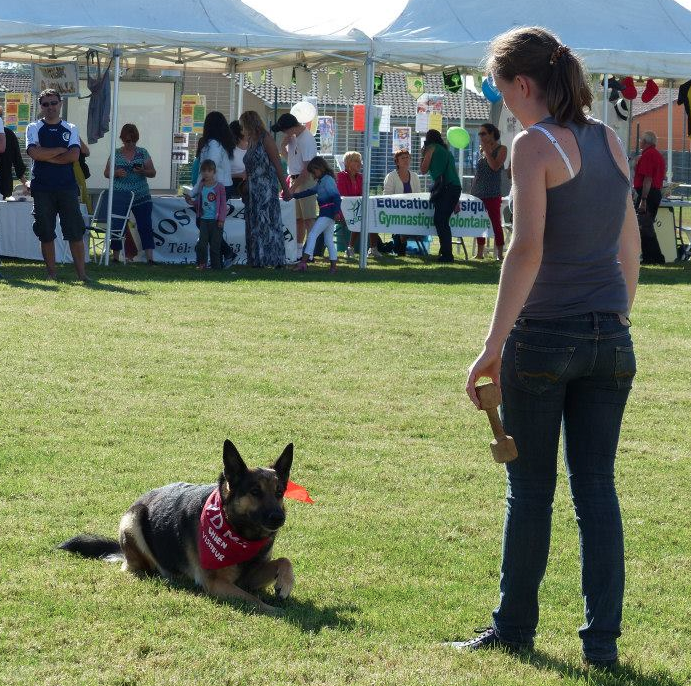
[[305, 208], [48, 205]]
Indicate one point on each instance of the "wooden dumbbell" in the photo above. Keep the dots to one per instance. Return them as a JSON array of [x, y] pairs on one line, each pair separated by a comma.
[[503, 446]]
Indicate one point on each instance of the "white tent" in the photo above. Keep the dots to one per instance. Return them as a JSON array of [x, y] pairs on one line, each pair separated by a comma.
[[209, 35], [630, 37], [649, 38]]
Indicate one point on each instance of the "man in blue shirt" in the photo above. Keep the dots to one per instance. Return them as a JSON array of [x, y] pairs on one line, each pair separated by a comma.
[[53, 145]]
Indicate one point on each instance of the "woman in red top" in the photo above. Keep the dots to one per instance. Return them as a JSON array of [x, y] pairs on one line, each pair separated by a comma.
[[349, 183]]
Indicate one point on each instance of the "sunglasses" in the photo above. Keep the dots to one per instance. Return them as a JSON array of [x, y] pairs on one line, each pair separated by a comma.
[[52, 103]]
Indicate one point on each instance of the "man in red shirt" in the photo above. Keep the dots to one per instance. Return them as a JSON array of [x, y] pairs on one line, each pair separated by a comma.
[[647, 184]]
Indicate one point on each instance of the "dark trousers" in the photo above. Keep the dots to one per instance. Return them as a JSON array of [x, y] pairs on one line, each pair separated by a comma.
[[210, 236], [142, 218], [443, 209], [571, 376], [650, 248]]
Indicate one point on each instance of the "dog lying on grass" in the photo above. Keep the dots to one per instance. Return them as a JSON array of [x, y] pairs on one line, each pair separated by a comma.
[[219, 535]]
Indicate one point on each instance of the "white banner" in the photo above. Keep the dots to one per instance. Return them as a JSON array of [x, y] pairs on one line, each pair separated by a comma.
[[412, 214], [176, 233], [64, 78]]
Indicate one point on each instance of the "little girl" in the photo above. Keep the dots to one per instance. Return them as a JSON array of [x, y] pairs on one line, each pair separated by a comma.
[[329, 200], [209, 200]]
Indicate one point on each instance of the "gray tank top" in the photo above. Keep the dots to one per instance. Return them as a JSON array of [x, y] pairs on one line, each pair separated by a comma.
[[580, 271]]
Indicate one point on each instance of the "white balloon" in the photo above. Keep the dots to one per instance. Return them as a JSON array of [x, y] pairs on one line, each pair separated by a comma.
[[304, 111]]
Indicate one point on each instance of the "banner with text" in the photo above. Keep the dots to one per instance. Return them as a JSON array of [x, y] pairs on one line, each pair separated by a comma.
[[176, 233], [64, 78], [412, 214]]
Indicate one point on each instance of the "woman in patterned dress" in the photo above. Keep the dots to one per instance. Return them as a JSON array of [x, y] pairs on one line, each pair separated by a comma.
[[133, 166], [263, 224]]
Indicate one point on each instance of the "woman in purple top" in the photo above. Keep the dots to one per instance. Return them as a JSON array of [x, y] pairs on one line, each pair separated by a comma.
[[559, 345]]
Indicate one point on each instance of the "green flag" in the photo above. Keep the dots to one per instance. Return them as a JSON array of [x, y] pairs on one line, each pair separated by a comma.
[[452, 80]]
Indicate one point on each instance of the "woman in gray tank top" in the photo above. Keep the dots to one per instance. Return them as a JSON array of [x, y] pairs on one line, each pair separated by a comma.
[[559, 343]]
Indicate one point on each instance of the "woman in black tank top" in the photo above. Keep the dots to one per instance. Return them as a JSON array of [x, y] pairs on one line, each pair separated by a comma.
[[559, 345]]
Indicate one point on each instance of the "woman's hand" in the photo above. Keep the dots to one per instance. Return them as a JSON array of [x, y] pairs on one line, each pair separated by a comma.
[[120, 173], [287, 195], [487, 364]]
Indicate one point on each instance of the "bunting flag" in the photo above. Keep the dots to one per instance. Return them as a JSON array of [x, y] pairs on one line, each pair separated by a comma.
[[296, 492], [415, 85], [452, 80]]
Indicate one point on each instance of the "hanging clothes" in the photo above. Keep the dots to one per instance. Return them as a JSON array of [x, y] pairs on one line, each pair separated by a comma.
[[98, 121], [683, 99]]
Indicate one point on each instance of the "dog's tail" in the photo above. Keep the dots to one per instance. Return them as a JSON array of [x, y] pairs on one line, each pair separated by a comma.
[[89, 545]]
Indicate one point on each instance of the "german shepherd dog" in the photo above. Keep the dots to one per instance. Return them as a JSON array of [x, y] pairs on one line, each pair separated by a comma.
[[219, 535]]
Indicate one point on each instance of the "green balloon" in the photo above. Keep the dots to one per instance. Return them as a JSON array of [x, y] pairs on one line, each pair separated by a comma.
[[458, 137]]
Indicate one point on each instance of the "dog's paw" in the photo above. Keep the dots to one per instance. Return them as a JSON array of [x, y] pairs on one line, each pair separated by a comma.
[[285, 579]]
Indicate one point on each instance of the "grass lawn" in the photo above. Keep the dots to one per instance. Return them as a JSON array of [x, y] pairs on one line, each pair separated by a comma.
[[113, 389]]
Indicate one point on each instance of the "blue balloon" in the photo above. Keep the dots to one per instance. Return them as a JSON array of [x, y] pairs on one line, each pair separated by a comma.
[[489, 90]]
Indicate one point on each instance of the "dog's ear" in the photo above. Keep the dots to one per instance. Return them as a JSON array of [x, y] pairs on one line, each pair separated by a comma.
[[283, 464], [234, 466]]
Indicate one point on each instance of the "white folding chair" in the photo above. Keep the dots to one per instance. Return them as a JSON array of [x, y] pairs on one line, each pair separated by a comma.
[[98, 222]]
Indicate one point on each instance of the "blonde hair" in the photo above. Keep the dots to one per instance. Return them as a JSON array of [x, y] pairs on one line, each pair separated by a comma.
[[535, 52], [351, 155], [252, 125]]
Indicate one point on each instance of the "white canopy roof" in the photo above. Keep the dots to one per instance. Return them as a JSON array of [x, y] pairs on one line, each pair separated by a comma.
[[202, 34], [627, 37]]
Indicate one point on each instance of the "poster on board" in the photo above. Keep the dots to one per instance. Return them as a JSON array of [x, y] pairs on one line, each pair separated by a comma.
[[192, 113], [400, 139], [326, 135], [428, 112], [17, 111]]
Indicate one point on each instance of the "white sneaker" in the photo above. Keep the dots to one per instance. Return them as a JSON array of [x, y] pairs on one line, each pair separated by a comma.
[[373, 252], [350, 253]]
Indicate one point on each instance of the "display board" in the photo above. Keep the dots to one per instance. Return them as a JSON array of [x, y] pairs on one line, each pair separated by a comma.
[[147, 104]]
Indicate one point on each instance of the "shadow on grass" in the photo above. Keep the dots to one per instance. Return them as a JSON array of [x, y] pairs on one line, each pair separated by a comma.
[[17, 277], [621, 675], [303, 614], [388, 269]]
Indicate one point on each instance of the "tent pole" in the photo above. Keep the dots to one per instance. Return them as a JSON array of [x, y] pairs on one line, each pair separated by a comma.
[[670, 131], [113, 133], [232, 92], [241, 93], [604, 99], [461, 156], [367, 162]]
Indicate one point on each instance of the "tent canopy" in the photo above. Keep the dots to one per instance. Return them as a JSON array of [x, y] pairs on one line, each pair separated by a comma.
[[207, 35], [628, 37]]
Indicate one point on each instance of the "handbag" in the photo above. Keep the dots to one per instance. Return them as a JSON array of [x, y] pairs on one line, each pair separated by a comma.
[[84, 166], [440, 184]]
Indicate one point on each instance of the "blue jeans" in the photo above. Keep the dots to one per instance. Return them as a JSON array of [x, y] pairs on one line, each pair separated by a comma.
[[570, 375]]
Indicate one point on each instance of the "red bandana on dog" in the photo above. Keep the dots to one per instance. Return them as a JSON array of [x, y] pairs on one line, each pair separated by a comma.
[[219, 546]]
